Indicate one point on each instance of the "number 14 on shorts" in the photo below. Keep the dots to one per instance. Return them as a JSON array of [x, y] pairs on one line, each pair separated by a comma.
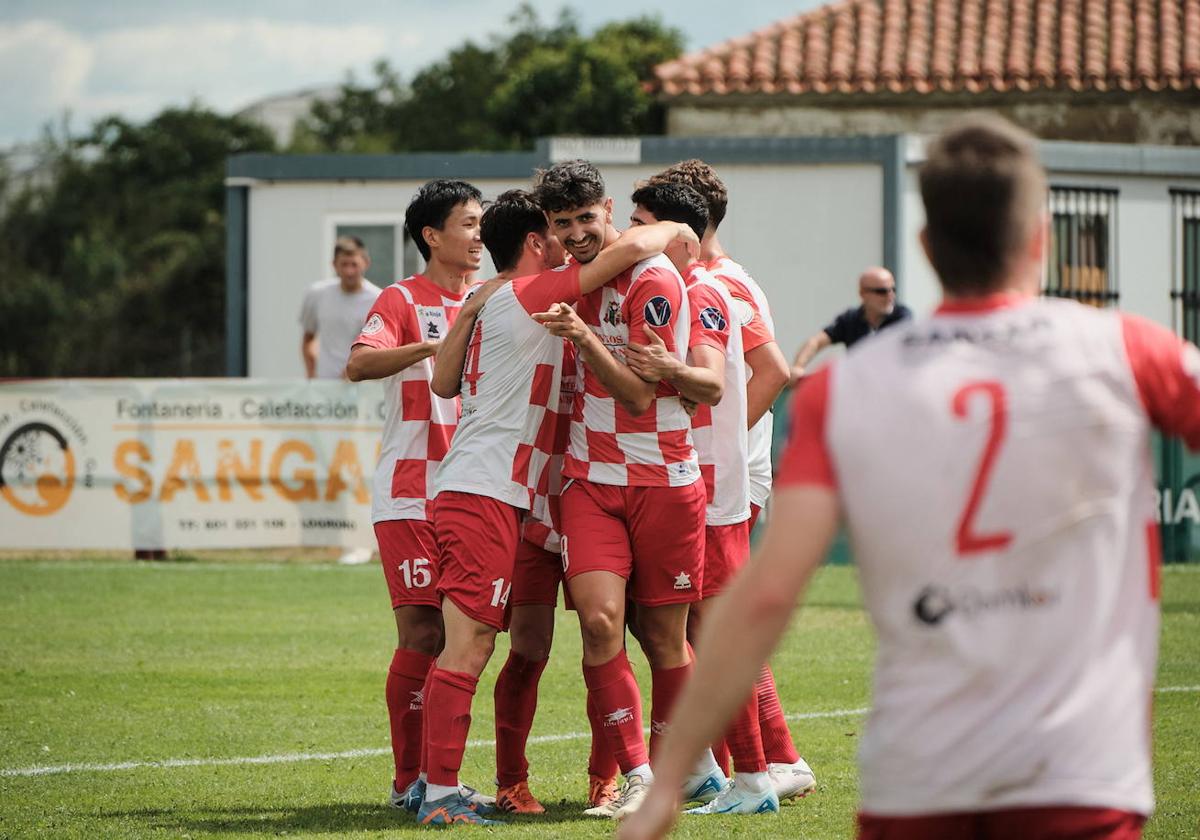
[[501, 589]]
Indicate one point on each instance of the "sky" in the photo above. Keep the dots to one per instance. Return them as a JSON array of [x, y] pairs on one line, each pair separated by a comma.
[[91, 58]]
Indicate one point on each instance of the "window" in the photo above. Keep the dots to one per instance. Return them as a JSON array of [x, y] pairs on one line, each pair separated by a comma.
[[1082, 257], [384, 240], [1185, 259]]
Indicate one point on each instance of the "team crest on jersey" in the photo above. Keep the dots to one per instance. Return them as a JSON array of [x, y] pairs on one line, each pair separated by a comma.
[[743, 311], [612, 315], [374, 324], [657, 311], [432, 331], [713, 319]]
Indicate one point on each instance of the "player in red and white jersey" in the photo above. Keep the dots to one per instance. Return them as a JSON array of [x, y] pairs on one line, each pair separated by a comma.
[[511, 370], [720, 435], [999, 498], [397, 343], [633, 508], [767, 371]]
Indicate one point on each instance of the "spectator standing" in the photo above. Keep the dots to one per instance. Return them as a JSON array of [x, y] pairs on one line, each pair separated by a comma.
[[334, 310]]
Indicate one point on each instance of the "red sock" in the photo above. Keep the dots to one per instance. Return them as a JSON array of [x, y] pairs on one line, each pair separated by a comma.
[[776, 737], [406, 711], [601, 761], [666, 688], [619, 708], [745, 739], [721, 754], [516, 701], [449, 722]]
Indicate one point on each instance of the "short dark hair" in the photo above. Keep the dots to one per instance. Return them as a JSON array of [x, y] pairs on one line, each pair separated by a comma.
[[567, 185], [506, 223], [669, 201], [984, 191], [432, 205], [351, 246], [703, 179]]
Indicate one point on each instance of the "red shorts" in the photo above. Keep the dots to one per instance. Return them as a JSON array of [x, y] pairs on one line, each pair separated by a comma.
[[726, 549], [651, 536], [409, 554], [1061, 823], [536, 575], [478, 536]]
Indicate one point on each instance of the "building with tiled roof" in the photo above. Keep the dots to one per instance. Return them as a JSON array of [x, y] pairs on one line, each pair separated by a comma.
[[1116, 70]]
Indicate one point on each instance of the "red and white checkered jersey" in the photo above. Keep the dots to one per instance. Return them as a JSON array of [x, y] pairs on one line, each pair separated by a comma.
[[541, 525], [418, 424], [719, 432], [993, 465], [608, 444], [753, 312], [511, 381]]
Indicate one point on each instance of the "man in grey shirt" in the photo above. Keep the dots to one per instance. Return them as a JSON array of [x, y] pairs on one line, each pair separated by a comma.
[[334, 310]]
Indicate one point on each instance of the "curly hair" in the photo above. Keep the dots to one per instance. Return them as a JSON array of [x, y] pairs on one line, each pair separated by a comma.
[[703, 179], [567, 185]]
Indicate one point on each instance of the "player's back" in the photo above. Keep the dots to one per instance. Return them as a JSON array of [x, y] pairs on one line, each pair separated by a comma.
[[993, 466]]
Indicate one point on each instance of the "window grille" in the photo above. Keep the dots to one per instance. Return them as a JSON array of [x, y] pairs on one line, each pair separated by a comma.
[[1185, 260], [1081, 261]]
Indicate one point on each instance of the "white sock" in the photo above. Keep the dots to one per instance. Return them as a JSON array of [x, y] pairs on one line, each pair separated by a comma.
[[642, 770], [753, 782], [707, 765], [436, 792]]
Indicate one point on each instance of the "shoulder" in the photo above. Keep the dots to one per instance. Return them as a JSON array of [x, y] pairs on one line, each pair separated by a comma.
[[321, 287]]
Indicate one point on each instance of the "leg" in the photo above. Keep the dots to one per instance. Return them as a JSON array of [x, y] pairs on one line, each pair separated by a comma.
[[664, 641], [406, 548], [531, 631]]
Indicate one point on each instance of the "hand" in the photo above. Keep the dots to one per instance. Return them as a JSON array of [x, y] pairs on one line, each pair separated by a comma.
[[651, 361], [692, 242], [562, 321], [653, 819], [795, 375], [480, 295], [689, 406]]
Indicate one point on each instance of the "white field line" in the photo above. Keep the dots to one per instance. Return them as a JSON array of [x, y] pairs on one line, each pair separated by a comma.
[[288, 758]]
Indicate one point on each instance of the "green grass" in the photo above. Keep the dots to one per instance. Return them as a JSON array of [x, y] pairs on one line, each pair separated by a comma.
[[108, 661]]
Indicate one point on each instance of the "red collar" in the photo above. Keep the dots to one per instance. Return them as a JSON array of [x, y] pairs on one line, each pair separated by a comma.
[[986, 303]]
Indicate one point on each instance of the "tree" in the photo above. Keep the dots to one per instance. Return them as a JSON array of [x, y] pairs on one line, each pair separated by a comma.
[[537, 80], [116, 267]]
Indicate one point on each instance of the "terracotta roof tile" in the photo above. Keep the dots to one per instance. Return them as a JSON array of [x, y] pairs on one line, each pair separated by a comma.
[[921, 46]]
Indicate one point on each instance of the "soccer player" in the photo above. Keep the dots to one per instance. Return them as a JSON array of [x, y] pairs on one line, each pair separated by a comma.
[[720, 435], [767, 370], [397, 343], [633, 510], [511, 373], [1000, 501]]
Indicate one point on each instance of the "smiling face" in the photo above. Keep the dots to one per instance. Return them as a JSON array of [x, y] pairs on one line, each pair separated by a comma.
[[458, 245], [581, 230]]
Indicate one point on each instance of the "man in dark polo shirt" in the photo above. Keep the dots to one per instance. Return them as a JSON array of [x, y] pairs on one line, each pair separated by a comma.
[[877, 288]]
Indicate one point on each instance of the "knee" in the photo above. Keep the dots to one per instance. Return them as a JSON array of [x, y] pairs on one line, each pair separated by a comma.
[[530, 642], [662, 643], [601, 626], [422, 635]]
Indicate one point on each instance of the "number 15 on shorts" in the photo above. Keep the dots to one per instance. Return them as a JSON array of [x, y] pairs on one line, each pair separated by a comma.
[[416, 573]]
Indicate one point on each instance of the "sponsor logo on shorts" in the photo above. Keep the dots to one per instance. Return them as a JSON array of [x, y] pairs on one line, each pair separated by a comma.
[[713, 319], [934, 604], [374, 324], [619, 716], [683, 581], [657, 311]]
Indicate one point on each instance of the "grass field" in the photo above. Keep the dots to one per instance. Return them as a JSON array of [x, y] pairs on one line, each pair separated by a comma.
[[181, 671]]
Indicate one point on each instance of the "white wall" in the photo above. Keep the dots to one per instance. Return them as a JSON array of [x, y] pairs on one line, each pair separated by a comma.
[[804, 232]]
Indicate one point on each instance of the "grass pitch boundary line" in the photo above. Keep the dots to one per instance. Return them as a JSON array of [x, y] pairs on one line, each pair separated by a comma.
[[289, 758]]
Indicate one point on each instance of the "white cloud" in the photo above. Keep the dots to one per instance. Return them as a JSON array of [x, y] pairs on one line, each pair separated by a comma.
[[43, 68]]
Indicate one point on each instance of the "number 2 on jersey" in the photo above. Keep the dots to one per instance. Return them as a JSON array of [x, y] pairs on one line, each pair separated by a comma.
[[968, 540]]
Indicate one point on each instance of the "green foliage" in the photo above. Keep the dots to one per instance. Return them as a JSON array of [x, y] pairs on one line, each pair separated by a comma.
[[114, 264], [536, 81]]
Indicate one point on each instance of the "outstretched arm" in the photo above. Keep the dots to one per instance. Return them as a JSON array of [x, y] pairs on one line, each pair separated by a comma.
[[374, 363], [731, 650], [807, 352]]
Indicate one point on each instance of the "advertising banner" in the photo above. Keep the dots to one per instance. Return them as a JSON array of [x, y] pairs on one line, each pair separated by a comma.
[[187, 463]]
